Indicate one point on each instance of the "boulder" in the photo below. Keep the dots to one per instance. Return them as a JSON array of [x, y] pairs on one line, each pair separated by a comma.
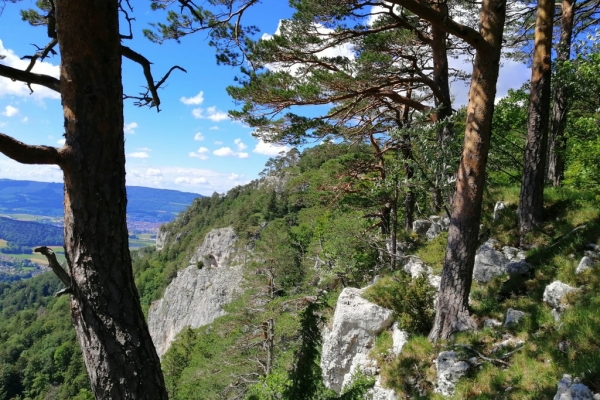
[[161, 237], [513, 317], [490, 262], [554, 293], [421, 226], [415, 267], [378, 392], [356, 324], [399, 339], [491, 323], [449, 370], [585, 264], [433, 231], [572, 389]]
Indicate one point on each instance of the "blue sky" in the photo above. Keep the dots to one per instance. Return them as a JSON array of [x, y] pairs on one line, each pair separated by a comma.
[[191, 145]]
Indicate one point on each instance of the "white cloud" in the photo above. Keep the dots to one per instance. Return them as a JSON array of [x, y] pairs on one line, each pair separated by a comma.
[[214, 128], [211, 113], [224, 152], [198, 137], [234, 176], [25, 119], [138, 154], [197, 113], [196, 100], [241, 146], [269, 149], [344, 50], [61, 141], [218, 142], [190, 181], [215, 115], [130, 128], [153, 172], [144, 149], [201, 153], [16, 88], [227, 152], [10, 111]]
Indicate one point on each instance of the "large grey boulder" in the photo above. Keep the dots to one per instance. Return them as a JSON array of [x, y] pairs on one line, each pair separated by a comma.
[[421, 226], [218, 248], [356, 324], [572, 389], [513, 317], [490, 262], [449, 370], [434, 231], [554, 293]]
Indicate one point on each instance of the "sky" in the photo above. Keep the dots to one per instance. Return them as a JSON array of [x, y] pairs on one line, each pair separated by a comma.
[[191, 145]]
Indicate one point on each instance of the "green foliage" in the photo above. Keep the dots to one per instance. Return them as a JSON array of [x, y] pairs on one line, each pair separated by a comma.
[[410, 299], [39, 355], [28, 234]]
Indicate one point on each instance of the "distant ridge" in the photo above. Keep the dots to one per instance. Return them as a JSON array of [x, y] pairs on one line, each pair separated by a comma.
[[46, 199]]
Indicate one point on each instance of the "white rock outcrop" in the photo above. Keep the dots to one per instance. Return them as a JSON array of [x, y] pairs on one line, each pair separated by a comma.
[[161, 237], [218, 248], [356, 324], [197, 295], [449, 370], [585, 264], [490, 262], [572, 389], [554, 293]]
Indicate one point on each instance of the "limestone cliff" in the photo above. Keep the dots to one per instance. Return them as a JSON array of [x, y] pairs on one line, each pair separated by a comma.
[[197, 295]]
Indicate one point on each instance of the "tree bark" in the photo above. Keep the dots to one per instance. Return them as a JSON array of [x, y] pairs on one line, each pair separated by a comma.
[[118, 352], [531, 202], [444, 102], [452, 312], [557, 142]]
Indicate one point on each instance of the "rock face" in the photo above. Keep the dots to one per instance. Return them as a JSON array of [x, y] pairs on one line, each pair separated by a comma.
[[356, 324], [555, 291], [449, 370], [490, 262], [217, 249], [572, 389], [161, 238], [421, 226], [197, 295]]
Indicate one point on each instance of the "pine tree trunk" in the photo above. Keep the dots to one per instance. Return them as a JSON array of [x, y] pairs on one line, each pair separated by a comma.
[[531, 202], [557, 142], [452, 313], [118, 352]]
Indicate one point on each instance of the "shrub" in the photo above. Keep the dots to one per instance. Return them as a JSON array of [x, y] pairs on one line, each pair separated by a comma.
[[411, 300]]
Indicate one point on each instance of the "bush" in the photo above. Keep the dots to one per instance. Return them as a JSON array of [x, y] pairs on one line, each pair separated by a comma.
[[411, 300]]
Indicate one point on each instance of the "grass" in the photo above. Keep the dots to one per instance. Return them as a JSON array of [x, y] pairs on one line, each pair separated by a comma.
[[551, 348]]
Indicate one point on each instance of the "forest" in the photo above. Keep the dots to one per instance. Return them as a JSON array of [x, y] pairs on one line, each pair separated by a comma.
[[384, 147]]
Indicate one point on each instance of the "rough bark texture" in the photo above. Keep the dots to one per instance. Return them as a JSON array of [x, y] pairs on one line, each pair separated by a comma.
[[118, 352], [444, 102], [531, 202], [557, 141], [452, 313]]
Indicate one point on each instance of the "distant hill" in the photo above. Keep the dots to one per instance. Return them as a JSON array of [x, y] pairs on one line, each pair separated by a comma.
[[46, 198], [29, 233]]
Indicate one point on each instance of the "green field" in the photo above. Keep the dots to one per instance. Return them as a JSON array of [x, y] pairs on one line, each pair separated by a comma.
[[141, 240]]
